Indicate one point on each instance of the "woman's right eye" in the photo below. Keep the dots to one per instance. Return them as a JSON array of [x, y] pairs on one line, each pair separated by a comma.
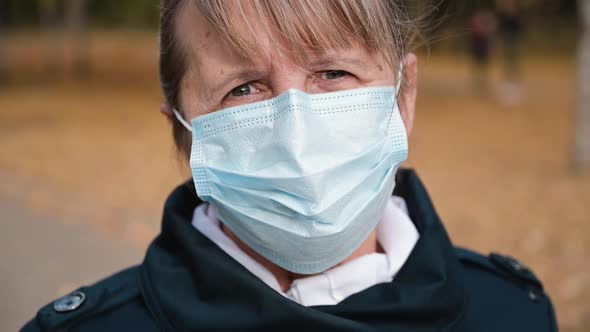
[[243, 90], [250, 92]]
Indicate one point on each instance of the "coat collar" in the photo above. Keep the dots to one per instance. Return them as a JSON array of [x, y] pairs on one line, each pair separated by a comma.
[[188, 283]]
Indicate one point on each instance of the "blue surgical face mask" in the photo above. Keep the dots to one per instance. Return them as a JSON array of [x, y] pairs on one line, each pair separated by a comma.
[[302, 179]]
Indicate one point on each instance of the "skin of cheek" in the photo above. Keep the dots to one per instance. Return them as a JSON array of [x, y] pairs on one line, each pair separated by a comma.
[[189, 96]]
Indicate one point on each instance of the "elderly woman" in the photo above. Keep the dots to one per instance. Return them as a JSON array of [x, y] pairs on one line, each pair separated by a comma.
[[294, 117]]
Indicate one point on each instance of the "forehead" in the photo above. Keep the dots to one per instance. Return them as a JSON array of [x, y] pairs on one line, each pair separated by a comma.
[[293, 29]]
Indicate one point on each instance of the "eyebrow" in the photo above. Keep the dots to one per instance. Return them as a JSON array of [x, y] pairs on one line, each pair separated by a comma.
[[328, 61]]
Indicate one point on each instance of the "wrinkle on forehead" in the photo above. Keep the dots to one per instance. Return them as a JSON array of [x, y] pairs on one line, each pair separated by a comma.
[[296, 30]]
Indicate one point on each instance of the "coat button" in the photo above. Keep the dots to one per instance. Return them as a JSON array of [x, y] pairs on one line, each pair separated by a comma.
[[517, 266], [511, 264], [69, 302], [533, 296]]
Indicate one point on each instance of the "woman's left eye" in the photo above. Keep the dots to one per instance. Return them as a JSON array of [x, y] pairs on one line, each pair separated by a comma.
[[334, 74]]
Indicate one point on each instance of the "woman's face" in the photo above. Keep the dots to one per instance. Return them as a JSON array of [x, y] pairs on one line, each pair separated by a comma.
[[218, 78]]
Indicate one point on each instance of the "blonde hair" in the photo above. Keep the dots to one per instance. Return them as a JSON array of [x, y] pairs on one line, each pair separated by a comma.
[[295, 28]]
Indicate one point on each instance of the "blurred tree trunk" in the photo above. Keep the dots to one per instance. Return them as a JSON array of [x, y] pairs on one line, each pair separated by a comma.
[[5, 12], [3, 56], [582, 125], [76, 24], [49, 20]]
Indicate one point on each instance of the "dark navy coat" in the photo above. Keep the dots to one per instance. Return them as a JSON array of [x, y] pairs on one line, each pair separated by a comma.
[[186, 283]]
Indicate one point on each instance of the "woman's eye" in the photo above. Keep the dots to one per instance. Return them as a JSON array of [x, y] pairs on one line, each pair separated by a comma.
[[243, 90], [334, 74]]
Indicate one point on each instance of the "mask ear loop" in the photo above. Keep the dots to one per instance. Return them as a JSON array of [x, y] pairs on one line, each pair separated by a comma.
[[398, 84], [182, 120], [398, 88]]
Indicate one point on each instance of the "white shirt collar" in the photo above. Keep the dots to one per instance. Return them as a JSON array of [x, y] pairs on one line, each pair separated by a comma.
[[396, 233]]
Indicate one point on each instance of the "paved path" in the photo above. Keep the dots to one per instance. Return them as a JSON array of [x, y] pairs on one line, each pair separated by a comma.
[[41, 259]]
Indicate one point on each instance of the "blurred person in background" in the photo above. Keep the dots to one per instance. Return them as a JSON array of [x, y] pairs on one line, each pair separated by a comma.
[[294, 117], [510, 27], [76, 22], [482, 27], [50, 20]]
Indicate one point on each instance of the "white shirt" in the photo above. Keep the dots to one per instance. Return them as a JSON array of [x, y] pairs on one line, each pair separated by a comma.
[[395, 232]]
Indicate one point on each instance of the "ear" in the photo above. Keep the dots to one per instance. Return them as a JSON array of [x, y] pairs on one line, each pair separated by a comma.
[[166, 110], [409, 91]]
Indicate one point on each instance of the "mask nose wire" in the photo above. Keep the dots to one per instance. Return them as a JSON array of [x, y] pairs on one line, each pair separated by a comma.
[[182, 120]]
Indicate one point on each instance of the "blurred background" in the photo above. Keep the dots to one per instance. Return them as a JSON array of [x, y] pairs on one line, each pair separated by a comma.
[[502, 140]]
